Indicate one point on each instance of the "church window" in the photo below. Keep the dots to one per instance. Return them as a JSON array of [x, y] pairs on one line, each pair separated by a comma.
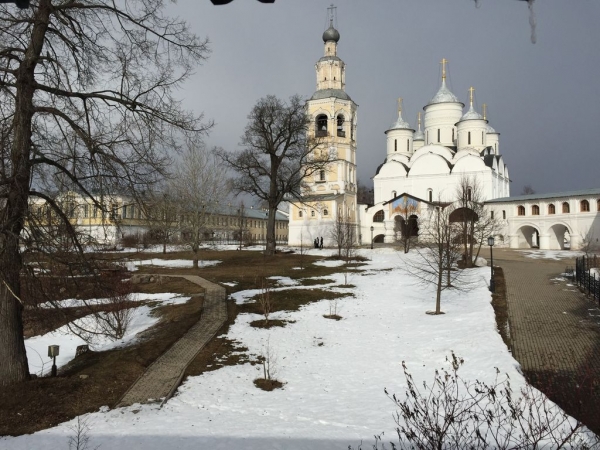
[[325, 212], [469, 193], [395, 145], [469, 138], [551, 209], [85, 210], [452, 134], [300, 213], [407, 146], [584, 206], [496, 148], [333, 78], [312, 213], [430, 194], [565, 208], [598, 205], [378, 217], [521, 210], [340, 126], [492, 215], [321, 175], [535, 210], [504, 214], [439, 135], [482, 137], [321, 125]]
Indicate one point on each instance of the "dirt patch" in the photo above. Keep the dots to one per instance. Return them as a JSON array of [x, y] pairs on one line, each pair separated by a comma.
[[291, 300], [316, 281], [333, 317], [267, 385], [501, 306], [268, 324]]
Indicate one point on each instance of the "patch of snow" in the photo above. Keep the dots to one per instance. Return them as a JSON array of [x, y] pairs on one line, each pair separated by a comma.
[[551, 254], [284, 281], [172, 263], [480, 262]]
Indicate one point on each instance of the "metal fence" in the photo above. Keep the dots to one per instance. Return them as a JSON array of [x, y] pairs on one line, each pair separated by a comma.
[[587, 275]]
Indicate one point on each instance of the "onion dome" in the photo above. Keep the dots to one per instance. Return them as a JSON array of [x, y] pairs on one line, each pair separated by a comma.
[[419, 135], [471, 114], [331, 34], [444, 96], [400, 124], [489, 129]]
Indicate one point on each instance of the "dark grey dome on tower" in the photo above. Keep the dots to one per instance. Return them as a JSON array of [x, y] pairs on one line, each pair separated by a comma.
[[331, 34]]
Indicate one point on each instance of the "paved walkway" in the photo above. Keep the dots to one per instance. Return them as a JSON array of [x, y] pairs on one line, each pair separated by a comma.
[[552, 324], [164, 375]]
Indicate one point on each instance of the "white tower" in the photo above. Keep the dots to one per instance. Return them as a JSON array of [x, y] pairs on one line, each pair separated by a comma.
[[331, 193], [399, 138]]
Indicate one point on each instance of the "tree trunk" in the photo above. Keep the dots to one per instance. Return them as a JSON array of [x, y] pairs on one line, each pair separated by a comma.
[[165, 247], [195, 260], [14, 367], [271, 243], [438, 294]]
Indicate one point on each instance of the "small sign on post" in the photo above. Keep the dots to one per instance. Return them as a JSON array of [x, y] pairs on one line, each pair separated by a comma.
[[53, 351]]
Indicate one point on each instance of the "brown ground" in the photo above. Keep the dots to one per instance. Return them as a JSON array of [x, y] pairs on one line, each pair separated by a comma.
[[45, 402]]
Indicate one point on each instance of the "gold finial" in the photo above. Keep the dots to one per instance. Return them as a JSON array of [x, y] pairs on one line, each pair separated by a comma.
[[444, 62], [399, 105], [419, 119], [471, 90], [484, 106]]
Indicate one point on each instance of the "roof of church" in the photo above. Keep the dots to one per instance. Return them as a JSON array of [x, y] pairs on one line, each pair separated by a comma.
[[330, 58], [327, 93], [443, 96], [319, 197], [471, 114], [580, 193], [331, 34]]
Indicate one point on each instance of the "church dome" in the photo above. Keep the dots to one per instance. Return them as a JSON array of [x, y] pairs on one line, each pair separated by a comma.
[[400, 124], [489, 129], [419, 136], [331, 34], [443, 96], [471, 114]]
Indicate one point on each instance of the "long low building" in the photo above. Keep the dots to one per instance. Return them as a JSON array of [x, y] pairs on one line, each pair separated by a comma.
[[562, 220]]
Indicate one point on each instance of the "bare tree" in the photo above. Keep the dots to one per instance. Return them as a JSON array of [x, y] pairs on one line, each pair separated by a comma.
[[343, 233], [242, 232], [589, 243], [527, 190], [199, 183], [277, 156], [86, 95], [364, 195], [405, 222], [469, 205], [438, 252], [161, 211]]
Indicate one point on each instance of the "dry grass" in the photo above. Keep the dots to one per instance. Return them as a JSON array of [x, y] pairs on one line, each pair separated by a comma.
[[267, 385]]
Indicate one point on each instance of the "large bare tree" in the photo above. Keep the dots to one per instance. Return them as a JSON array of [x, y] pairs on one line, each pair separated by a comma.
[[278, 155], [86, 95]]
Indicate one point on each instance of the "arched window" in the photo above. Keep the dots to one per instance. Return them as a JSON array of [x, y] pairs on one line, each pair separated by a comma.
[[312, 213], [504, 214], [598, 205], [521, 210], [452, 134], [551, 209], [321, 125], [535, 210], [584, 206], [469, 193], [325, 212], [482, 137], [300, 213], [430, 194], [322, 175], [395, 145], [407, 146], [340, 126], [378, 217], [439, 135], [469, 138], [565, 208]]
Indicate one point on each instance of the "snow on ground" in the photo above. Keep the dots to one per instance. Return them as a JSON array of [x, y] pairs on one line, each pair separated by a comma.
[[172, 299], [333, 394], [550, 254], [141, 319], [134, 265], [285, 281]]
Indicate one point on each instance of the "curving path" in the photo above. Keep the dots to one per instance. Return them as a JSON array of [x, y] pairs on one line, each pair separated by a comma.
[[164, 375]]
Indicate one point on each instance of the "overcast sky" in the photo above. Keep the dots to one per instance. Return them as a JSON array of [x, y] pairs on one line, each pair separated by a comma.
[[543, 98]]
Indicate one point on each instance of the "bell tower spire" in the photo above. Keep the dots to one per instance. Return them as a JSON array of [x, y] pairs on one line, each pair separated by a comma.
[[331, 69]]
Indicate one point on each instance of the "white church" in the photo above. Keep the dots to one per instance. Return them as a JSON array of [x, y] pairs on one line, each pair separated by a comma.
[[424, 166]]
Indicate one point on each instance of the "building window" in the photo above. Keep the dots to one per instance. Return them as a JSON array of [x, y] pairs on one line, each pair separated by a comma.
[[439, 135], [482, 137], [395, 145], [469, 193], [535, 210], [504, 214], [124, 211], [598, 205], [300, 213], [312, 213], [565, 208], [407, 146], [584, 206], [521, 211], [321, 175], [378, 217], [340, 126], [551, 209], [492, 215], [430, 194], [325, 212], [469, 138], [321, 124], [452, 134]]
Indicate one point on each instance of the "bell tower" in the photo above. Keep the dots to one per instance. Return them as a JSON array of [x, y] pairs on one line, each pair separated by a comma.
[[331, 192]]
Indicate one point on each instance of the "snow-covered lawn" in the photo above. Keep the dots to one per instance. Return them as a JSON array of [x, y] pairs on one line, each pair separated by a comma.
[[141, 319], [334, 372], [551, 254]]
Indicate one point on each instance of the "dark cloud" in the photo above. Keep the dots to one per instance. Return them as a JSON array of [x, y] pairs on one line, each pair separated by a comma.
[[543, 98]]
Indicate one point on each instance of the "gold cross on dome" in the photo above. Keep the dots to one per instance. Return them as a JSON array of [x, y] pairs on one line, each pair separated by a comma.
[[399, 105], [471, 90], [484, 106], [444, 61]]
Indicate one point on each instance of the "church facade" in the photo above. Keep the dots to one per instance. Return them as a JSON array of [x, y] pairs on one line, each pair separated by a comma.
[[424, 167]]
